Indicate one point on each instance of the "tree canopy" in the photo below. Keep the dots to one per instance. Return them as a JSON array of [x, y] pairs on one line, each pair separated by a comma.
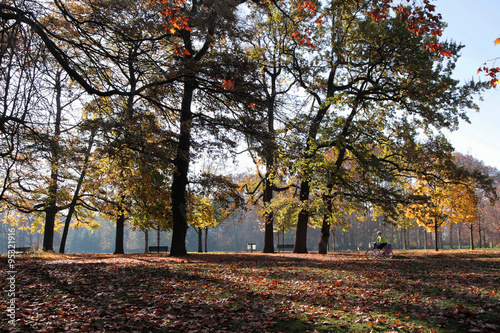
[[341, 105]]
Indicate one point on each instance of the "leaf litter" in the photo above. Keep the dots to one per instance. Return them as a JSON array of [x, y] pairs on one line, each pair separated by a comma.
[[419, 291]]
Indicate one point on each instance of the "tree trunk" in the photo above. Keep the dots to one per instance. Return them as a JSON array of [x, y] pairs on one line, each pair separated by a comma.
[[405, 245], [51, 206], [158, 235], [325, 227], [72, 206], [451, 236], [460, 236], [269, 152], [180, 176], [206, 240], [268, 218], [333, 239], [120, 228], [325, 236], [199, 231], [479, 232], [472, 236], [48, 235], [301, 229], [425, 239], [146, 241], [436, 238]]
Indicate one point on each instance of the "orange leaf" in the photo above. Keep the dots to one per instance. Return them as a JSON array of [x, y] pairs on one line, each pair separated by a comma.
[[228, 84], [497, 41]]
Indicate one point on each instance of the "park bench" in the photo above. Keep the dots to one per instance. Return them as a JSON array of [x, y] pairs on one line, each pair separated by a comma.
[[23, 249], [284, 247], [251, 247], [158, 249]]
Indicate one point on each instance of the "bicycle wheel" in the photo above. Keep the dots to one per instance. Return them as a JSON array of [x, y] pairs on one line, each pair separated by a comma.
[[371, 254], [388, 255]]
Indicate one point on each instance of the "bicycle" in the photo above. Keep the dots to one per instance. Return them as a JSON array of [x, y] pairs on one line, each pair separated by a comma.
[[374, 252]]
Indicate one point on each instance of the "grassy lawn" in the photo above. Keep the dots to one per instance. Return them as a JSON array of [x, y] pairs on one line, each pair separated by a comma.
[[417, 291]]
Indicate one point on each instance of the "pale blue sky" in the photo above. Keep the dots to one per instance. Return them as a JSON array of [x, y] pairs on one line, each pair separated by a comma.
[[476, 25]]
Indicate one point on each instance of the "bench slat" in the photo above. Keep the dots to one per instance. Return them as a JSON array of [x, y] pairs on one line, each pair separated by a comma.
[[158, 249], [23, 249], [285, 247]]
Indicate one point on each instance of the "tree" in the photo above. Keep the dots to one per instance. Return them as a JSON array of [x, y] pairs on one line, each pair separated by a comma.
[[482, 183], [435, 212], [451, 194], [144, 56], [217, 71], [78, 45], [42, 185], [376, 75], [270, 45], [151, 196], [202, 218], [76, 195], [363, 68], [215, 199]]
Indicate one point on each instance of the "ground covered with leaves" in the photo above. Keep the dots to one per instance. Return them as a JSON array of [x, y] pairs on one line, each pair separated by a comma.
[[417, 291]]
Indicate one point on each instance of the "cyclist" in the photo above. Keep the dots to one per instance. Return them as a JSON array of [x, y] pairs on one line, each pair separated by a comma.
[[381, 241]]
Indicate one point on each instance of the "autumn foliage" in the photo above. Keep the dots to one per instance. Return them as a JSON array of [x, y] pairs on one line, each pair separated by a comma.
[[199, 73], [419, 20], [175, 20], [491, 72], [416, 292]]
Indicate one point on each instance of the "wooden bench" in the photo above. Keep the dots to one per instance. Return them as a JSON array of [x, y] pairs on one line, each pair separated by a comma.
[[158, 249], [284, 247], [23, 249]]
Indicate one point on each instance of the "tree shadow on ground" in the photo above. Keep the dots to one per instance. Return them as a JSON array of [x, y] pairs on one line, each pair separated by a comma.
[[259, 292]]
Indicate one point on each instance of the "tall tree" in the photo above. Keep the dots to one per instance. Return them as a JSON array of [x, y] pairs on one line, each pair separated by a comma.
[[32, 190], [107, 57], [378, 84], [270, 48], [483, 182], [215, 74], [76, 194]]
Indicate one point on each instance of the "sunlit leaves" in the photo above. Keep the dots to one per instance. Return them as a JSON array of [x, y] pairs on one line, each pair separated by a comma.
[[173, 13], [228, 84], [419, 19], [309, 5], [213, 199], [203, 214], [491, 73], [444, 203]]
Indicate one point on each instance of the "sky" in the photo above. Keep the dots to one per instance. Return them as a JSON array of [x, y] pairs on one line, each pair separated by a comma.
[[475, 25]]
